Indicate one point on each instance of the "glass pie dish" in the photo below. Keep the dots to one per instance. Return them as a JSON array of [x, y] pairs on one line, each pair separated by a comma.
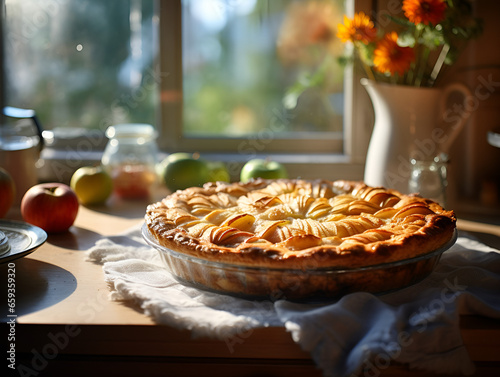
[[294, 284]]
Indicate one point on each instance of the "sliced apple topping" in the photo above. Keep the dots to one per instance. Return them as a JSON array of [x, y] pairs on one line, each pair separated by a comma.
[[240, 221], [340, 203], [300, 204], [370, 236], [318, 190], [333, 241], [224, 200], [218, 216], [223, 233], [197, 228], [412, 209], [351, 225], [267, 201], [284, 232], [280, 187], [357, 207], [332, 217], [386, 213], [269, 230], [199, 210], [301, 242], [235, 238], [377, 196], [202, 205], [306, 226], [416, 218], [254, 240], [179, 216], [320, 208], [207, 232], [199, 201]]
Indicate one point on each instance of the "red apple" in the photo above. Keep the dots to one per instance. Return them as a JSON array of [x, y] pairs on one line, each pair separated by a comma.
[[7, 192], [50, 206]]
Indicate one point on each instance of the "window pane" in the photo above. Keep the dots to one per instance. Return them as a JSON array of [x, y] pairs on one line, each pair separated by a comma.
[[82, 63], [242, 57]]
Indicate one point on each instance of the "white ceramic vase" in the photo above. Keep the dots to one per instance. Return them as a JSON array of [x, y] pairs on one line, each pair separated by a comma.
[[410, 123]]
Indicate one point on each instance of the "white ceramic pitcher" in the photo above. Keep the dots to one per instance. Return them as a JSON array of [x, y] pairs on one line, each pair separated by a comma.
[[410, 123]]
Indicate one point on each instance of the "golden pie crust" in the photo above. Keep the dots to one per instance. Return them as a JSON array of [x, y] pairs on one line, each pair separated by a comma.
[[299, 224]]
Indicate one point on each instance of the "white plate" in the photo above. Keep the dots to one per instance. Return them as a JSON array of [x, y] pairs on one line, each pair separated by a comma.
[[22, 238]]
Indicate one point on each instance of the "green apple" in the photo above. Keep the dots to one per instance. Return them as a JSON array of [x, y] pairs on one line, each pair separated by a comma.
[[92, 185], [182, 172], [160, 168], [218, 172], [260, 168]]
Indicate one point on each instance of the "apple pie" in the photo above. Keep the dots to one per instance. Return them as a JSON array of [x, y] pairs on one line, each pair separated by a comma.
[[299, 227]]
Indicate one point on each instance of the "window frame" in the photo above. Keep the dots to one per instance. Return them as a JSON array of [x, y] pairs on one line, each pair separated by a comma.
[[343, 155]]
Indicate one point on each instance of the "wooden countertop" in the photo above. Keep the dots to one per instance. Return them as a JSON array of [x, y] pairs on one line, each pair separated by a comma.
[[67, 325]]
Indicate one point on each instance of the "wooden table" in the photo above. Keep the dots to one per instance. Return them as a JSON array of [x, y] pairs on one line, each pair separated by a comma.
[[67, 325]]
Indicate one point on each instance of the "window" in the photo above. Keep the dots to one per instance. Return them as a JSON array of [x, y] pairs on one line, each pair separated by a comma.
[[239, 59], [82, 64], [223, 51], [211, 75]]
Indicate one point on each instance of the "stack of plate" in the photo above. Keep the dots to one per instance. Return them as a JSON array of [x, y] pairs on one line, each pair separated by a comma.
[[4, 243], [18, 239]]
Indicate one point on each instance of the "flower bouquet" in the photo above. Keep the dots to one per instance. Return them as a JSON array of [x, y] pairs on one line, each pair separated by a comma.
[[403, 58], [413, 49]]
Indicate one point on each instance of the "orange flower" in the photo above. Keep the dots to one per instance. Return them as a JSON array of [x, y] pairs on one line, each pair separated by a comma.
[[389, 57], [424, 11], [307, 25], [360, 28]]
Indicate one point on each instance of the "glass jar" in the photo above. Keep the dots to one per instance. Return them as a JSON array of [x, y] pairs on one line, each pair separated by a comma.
[[429, 179], [130, 157]]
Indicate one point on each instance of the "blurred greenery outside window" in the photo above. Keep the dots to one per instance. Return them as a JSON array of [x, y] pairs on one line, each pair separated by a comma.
[[241, 56], [229, 87], [82, 65], [244, 62]]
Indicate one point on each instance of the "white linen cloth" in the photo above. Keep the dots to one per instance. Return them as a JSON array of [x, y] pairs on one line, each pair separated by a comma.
[[358, 334]]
